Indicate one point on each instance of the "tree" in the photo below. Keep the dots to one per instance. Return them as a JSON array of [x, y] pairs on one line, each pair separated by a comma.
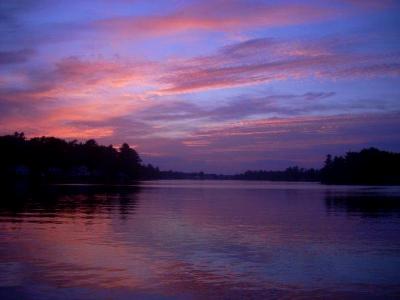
[[129, 161], [50, 158]]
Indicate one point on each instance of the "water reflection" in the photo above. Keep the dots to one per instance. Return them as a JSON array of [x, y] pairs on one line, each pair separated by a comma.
[[198, 240], [365, 205], [23, 202]]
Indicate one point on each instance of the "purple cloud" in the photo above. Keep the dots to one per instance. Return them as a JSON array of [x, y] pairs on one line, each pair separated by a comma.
[[259, 61], [15, 57]]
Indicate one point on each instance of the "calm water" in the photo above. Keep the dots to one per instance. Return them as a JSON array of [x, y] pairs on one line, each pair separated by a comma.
[[200, 240]]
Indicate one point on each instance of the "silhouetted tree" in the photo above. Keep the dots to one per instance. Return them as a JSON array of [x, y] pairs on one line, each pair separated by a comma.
[[51, 158], [129, 161], [369, 166]]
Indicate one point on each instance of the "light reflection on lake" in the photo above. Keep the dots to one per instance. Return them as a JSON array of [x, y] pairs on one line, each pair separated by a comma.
[[200, 240]]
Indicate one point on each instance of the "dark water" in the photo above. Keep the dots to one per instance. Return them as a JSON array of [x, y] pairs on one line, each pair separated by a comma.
[[200, 240]]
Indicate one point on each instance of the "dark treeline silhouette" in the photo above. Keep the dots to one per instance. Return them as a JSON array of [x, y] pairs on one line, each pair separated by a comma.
[[193, 175], [57, 160], [290, 174], [49, 158], [369, 166]]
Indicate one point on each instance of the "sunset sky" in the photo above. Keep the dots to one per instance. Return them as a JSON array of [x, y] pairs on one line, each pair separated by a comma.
[[217, 86]]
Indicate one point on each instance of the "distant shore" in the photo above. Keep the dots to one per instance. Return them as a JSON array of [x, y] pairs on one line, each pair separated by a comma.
[[50, 160]]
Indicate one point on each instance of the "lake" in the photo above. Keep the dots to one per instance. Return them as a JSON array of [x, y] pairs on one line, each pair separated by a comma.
[[200, 240]]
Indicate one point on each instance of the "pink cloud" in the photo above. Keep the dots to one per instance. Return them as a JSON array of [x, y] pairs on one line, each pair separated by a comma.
[[291, 139], [227, 16], [217, 16], [269, 143], [50, 98], [263, 60]]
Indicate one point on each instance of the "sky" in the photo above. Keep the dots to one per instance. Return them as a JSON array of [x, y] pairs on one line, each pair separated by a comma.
[[212, 85]]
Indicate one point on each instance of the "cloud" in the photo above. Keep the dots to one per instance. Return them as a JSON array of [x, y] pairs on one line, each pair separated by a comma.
[[289, 104], [239, 107], [293, 139], [303, 130], [215, 16], [123, 128], [140, 61], [263, 60], [227, 16], [73, 89], [273, 143], [106, 22], [77, 77], [205, 16], [246, 106], [15, 57]]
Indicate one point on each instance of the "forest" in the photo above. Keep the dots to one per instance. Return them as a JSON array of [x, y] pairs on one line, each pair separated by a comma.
[[369, 167], [52, 159], [290, 174]]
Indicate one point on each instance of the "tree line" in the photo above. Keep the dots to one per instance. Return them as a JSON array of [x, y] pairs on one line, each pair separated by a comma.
[[369, 166], [49, 158], [290, 174], [54, 159]]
